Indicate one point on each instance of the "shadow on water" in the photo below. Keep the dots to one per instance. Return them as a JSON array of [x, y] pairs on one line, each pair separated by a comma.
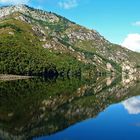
[[34, 107]]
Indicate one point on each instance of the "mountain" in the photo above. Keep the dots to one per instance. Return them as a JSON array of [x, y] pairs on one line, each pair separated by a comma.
[[36, 42]]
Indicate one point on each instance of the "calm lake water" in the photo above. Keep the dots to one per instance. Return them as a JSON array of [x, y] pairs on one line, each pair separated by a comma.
[[70, 109]]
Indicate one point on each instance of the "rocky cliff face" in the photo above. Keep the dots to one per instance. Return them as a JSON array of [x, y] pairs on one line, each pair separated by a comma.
[[61, 36], [24, 9]]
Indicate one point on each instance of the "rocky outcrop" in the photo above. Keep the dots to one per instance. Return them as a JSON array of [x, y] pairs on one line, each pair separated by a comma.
[[37, 14]]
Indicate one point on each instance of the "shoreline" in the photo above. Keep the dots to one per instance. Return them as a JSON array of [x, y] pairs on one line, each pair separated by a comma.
[[10, 77]]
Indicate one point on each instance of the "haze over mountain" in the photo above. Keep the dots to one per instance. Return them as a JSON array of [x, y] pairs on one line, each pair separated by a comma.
[[36, 42]]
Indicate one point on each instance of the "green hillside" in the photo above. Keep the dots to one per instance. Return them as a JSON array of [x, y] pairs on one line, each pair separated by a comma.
[[36, 42]]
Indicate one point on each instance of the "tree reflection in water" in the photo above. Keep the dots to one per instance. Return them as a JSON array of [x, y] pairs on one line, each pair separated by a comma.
[[34, 107]]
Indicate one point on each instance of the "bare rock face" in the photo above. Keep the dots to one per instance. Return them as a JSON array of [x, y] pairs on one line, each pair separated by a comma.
[[39, 15], [38, 31]]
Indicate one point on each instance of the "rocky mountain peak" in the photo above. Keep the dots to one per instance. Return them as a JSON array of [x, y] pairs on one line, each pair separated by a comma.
[[26, 10], [7, 10]]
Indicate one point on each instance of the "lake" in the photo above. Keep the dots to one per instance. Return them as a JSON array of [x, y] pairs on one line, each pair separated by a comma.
[[70, 109]]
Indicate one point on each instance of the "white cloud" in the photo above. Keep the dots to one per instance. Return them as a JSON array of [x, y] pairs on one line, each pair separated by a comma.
[[14, 1], [137, 23], [132, 42], [68, 4], [132, 105]]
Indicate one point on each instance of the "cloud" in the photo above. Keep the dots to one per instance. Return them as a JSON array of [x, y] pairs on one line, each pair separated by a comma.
[[137, 23], [132, 105], [132, 42], [14, 1], [68, 4]]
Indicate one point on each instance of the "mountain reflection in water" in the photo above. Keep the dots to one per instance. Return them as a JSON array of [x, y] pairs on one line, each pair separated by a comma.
[[34, 107]]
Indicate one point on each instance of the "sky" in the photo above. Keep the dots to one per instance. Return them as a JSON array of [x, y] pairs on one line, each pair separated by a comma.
[[117, 20]]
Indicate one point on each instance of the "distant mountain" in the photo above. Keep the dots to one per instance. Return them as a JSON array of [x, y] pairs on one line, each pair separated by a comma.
[[36, 42]]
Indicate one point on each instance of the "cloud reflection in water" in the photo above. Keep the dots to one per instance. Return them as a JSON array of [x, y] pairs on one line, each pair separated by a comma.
[[132, 105]]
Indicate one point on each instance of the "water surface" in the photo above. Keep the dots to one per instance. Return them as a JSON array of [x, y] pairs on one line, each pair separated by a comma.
[[118, 122], [70, 109]]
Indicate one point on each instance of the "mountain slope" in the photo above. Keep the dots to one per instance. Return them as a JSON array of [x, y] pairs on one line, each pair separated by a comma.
[[33, 42]]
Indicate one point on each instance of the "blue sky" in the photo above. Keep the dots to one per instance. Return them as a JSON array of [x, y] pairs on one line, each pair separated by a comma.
[[117, 20]]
